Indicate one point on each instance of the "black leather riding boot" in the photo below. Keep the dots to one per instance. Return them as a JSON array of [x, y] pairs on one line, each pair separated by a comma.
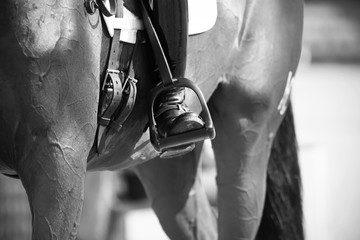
[[173, 122], [172, 116]]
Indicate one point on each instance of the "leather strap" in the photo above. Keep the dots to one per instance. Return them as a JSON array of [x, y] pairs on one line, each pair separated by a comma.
[[125, 111], [160, 58], [129, 85], [119, 90], [105, 10], [112, 88]]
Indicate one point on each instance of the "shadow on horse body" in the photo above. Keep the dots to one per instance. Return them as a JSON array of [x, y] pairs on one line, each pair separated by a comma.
[[53, 57]]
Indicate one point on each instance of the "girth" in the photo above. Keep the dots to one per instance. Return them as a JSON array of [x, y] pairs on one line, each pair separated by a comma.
[[118, 91]]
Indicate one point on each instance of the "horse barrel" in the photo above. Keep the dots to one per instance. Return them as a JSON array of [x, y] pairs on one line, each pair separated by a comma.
[[15, 215]]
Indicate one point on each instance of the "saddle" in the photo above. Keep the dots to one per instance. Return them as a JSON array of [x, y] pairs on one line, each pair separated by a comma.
[[200, 21], [118, 92]]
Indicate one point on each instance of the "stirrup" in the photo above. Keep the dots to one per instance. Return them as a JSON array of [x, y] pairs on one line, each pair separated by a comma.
[[183, 142]]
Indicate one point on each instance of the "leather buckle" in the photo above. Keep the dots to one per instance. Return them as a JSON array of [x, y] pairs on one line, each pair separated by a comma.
[[130, 91], [111, 94], [116, 104]]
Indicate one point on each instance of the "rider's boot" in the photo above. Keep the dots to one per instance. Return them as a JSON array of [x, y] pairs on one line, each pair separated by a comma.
[[175, 128], [172, 115]]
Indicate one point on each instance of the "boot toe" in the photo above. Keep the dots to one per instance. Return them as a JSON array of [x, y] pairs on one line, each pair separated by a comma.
[[185, 122]]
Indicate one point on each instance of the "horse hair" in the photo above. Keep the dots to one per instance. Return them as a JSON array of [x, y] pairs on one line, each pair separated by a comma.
[[283, 217]]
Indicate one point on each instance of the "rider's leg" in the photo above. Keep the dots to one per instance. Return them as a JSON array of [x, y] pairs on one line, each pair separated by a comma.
[[171, 23], [178, 197], [245, 111]]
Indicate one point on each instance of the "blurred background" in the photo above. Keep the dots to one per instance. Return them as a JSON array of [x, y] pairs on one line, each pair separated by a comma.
[[326, 103], [325, 97]]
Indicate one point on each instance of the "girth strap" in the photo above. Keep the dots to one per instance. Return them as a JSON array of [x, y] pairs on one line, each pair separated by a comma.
[[118, 92]]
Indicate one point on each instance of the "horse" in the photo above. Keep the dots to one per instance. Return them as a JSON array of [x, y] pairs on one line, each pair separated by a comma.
[[53, 58]]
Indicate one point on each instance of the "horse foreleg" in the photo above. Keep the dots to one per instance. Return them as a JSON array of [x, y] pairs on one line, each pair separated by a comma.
[[178, 197], [246, 122], [241, 149], [53, 175], [248, 107]]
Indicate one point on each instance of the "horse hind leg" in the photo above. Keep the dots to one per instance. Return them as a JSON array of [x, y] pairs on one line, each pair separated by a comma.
[[241, 150], [178, 198], [245, 109], [248, 177]]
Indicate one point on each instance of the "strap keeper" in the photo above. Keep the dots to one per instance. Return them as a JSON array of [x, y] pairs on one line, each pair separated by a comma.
[[112, 71], [128, 24], [103, 121]]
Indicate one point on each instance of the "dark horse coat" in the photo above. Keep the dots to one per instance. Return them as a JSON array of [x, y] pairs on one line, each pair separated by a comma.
[[53, 56]]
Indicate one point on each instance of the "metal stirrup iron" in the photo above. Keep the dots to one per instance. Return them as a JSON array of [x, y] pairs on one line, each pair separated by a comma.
[[163, 144]]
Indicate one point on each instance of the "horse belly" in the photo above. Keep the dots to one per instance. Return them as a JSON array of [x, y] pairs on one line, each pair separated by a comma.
[[208, 53]]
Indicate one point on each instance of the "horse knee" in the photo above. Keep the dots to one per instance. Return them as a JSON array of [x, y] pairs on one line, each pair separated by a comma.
[[238, 108], [243, 100], [246, 117]]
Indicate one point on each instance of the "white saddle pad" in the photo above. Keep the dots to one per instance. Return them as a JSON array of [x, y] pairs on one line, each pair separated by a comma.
[[202, 15]]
